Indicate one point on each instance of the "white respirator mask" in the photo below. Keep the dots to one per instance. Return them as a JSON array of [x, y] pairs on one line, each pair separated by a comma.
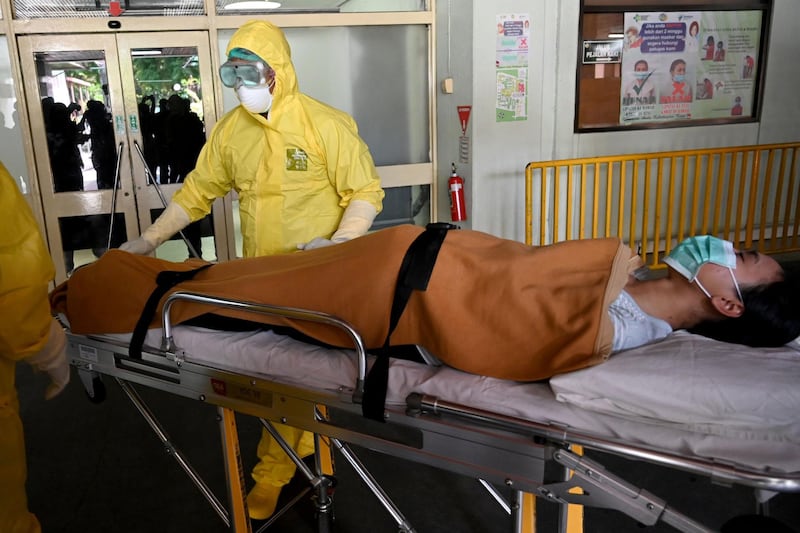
[[256, 99]]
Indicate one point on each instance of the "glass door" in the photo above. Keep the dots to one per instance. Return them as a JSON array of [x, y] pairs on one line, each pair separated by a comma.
[[107, 153]]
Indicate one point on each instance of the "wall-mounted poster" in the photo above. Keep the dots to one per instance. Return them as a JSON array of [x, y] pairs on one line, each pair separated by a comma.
[[688, 65], [511, 66]]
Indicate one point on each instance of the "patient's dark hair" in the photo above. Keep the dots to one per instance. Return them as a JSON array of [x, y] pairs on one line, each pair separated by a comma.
[[771, 316]]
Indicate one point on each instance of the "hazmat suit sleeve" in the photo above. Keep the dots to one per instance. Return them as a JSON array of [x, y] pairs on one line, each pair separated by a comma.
[[191, 202], [27, 328], [350, 164], [211, 177], [353, 173]]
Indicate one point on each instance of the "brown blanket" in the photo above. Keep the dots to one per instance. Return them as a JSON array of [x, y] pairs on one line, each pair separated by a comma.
[[493, 306]]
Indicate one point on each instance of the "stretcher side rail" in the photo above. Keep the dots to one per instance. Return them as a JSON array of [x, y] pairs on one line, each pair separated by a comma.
[[504, 457], [168, 344], [718, 472]]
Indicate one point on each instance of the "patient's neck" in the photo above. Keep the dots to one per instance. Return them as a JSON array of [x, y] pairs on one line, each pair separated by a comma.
[[672, 299]]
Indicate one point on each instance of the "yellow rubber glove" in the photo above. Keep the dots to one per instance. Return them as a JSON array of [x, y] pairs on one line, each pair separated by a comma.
[[356, 221], [172, 220], [52, 359]]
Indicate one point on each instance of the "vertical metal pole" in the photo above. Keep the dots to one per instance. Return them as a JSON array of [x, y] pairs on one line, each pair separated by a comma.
[[152, 180], [114, 194], [157, 428]]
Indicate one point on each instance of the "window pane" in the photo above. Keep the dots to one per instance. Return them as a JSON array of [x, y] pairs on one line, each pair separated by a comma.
[[85, 238], [77, 116], [358, 70], [12, 152]]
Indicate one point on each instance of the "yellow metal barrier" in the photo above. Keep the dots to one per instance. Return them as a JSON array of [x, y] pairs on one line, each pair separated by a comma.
[[748, 194]]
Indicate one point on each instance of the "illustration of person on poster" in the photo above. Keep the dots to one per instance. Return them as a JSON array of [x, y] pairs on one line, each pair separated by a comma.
[[747, 68], [736, 110], [641, 89], [709, 48], [689, 87], [639, 93], [678, 88], [693, 39]]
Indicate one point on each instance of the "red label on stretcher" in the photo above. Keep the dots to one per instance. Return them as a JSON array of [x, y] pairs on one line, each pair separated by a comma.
[[245, 392], [219, 387]]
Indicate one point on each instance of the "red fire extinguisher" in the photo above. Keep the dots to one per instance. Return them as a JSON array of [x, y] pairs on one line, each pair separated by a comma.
[[458, 207]]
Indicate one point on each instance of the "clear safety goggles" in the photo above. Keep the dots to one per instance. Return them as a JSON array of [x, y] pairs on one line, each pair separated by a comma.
[[250, 73]]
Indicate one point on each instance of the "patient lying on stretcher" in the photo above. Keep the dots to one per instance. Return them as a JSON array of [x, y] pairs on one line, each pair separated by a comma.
[[491, 306]]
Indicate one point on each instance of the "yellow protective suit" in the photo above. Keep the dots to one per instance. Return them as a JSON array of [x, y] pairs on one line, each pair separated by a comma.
[[25, 322], [295, 171]]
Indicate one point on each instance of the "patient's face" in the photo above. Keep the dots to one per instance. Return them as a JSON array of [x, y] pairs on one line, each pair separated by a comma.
[[753, 268]]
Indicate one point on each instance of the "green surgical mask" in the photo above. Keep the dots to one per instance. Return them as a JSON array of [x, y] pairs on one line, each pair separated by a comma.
[[694, 252]]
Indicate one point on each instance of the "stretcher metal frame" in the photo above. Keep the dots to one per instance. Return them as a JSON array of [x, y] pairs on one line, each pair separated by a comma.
[[527, 457]]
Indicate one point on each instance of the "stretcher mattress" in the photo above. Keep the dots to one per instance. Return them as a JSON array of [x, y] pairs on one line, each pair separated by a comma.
[[686, 395]]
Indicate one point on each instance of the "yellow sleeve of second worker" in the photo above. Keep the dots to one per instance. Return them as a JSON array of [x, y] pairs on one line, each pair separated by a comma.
[[26, 270]]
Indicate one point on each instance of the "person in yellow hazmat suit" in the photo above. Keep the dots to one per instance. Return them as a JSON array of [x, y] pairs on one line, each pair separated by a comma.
[[305, 179], [28, 332]]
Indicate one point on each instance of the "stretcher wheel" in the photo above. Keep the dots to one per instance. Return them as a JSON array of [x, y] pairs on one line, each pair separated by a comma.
[[97, 394]]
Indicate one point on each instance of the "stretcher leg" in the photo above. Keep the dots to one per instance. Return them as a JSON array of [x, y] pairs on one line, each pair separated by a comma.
[[571, 519], [497, 496], [522, 511], [237, 495], [403, 524], [600, 488], [322, 449], [93, 385], [525, 521], [158, 429], [321, 483]]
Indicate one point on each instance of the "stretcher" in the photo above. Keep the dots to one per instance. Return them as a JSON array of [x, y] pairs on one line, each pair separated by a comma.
[[679, 403]]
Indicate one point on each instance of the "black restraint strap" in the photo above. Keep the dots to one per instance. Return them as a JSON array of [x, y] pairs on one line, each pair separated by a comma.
[[164, 282], [415, 273]]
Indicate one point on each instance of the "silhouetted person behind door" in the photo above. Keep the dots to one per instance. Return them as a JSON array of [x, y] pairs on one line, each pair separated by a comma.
[[185, 137], [63, 138], [160, 135], [147, 128], [101, 133]]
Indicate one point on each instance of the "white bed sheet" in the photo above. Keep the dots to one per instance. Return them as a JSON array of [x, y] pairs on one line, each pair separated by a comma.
[[621, 398]]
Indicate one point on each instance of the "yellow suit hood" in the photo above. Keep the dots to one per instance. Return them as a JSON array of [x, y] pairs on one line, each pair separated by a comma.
[[269, 43]]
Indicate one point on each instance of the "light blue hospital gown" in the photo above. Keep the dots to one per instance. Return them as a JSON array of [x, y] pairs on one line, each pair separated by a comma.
[[632, 326]]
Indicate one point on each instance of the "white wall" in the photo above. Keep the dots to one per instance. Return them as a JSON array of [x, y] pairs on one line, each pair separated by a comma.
[[500, 151], [454, 60]]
